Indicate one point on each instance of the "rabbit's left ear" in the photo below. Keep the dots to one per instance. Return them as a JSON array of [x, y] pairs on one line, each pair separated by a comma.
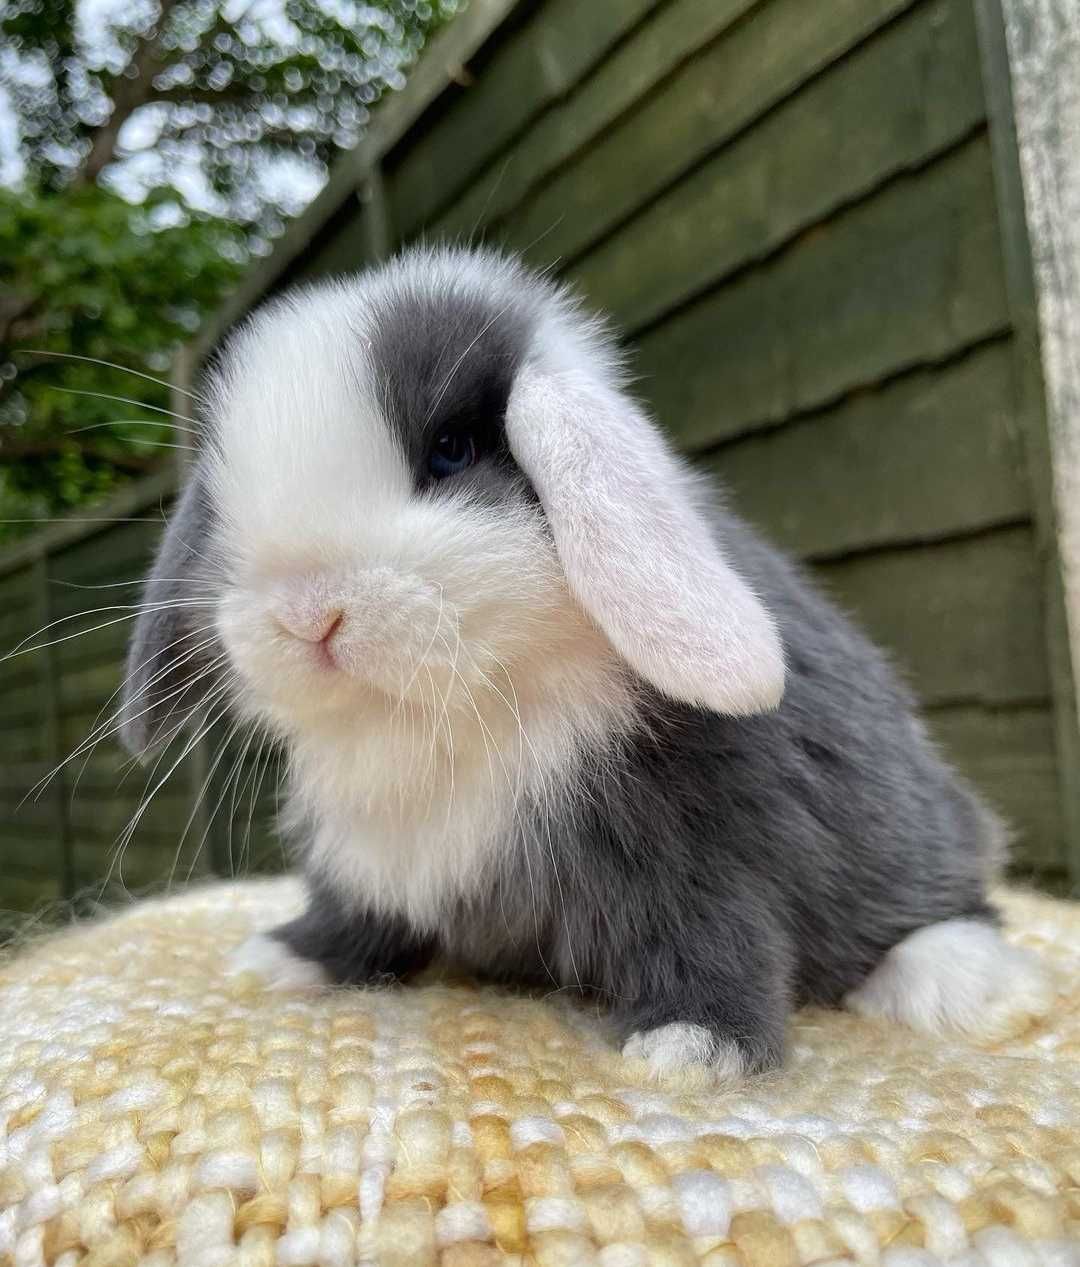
[[638, 555]]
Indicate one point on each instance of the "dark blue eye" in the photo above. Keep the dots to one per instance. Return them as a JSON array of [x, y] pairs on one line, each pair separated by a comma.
[[452, 452]]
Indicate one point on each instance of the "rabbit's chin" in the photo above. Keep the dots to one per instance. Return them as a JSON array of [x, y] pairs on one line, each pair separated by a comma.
[[404, 809]]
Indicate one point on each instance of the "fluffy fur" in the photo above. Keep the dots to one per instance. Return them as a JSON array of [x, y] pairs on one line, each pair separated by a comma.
[[956, 977], [531, 709], [637, 553]]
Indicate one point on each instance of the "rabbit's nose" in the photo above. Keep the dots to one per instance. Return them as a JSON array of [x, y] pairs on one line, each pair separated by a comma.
[[308, 612], [317, 626]]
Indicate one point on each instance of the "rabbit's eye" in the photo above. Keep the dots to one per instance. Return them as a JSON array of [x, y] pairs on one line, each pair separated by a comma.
[[453, 451]]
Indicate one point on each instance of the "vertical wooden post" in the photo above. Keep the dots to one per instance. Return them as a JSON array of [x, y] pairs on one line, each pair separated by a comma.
[[378, 234], [1031, 73], [49, 679]]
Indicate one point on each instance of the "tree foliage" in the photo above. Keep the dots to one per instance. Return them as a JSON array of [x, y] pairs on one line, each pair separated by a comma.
[[156, 145]]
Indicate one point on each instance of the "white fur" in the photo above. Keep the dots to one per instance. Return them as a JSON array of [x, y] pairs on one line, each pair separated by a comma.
[[958, 976], [638, 555], [671, 1048], [460, 680], [437, 667], [274, 964]]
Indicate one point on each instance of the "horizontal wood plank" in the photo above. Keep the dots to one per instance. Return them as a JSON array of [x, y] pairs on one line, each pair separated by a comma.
[[766, 57], [141, 499], [26, 814], [912, 276], [1009, 756], [672, 32], [932, 454], [22, 736], [963, 619], [120, 552], [537, 65], [17, 619], [30, 847], [797, 166], [24, 892]]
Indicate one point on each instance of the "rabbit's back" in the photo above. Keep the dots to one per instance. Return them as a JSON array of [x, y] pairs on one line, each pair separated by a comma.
[[834, 819]]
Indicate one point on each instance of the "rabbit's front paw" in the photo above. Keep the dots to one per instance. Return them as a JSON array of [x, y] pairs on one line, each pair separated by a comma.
[[276, 966], [677, 1046]]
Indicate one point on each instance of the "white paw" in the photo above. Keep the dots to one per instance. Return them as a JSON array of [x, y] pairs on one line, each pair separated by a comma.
[[274, 964], [671, 1048], [960, 976]]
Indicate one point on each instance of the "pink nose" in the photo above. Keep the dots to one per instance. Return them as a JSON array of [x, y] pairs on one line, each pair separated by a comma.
[[313, 622]]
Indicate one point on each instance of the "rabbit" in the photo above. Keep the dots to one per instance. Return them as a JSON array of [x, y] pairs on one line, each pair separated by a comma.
[[550, 708]]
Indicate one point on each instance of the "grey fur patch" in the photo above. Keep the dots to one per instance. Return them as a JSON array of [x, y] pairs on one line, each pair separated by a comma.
[[716, 871], [446, 359], [170, 672]]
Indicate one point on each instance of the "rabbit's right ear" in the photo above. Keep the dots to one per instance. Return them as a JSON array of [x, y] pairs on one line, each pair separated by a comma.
[[639, 556], [169, 662]]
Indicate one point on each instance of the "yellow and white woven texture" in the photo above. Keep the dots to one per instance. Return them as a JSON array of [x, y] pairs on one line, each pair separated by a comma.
[[154, 1111]]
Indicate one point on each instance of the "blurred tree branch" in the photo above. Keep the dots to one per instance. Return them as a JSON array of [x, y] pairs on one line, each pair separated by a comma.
[[129, 91], [158, 144]]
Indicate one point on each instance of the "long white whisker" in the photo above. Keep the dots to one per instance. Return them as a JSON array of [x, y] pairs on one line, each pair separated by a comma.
[[526, 742], [138, 580], [132, 610], [423, 658], [126, 400], [234, 778], [546, 794], [263, 767], [458, 363], [110, 727], [91, 611], [132, 824], [204, 704], [222, 750], [167, 667], [133, 422], [76, 519], [102, 730], [112, 365]]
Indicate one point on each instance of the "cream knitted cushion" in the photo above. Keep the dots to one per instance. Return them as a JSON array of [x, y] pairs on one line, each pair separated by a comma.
[[154, 1111]]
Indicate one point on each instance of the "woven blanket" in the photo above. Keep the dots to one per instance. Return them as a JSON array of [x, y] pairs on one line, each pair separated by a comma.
[[155, 1111]]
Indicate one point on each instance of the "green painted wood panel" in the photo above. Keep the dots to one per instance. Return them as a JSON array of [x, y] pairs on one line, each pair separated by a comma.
[[26, 813], [910, 92], [713, 97], [963, 618], [928, 455], [1010, 757], [673, 32], [795, 216], [23, 891], [114, 547], [910, 276], [538, 65], [16, 621]]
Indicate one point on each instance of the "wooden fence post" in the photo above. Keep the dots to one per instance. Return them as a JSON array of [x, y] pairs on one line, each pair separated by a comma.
[[377, 229], [49, 678], [1031, 65]]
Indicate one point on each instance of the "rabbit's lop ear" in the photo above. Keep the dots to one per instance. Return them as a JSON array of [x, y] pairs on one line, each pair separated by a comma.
[[638, 555], [170, 668]]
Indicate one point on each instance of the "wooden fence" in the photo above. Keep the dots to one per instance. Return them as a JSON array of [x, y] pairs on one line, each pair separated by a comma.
[[61, 839], [807, 221]]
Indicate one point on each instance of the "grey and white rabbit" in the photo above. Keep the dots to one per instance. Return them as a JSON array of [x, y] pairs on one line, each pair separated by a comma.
[[548, 706]]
